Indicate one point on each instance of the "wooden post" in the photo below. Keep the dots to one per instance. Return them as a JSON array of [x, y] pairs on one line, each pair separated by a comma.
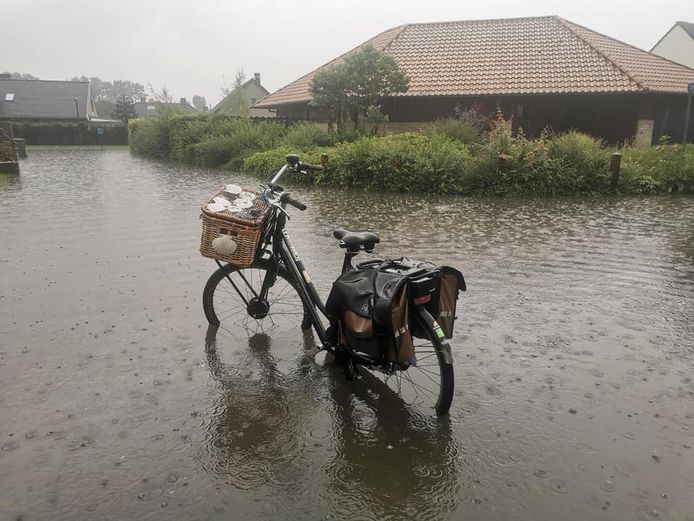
[[502, 163], [686, 121], [615, 165], [323, 159]]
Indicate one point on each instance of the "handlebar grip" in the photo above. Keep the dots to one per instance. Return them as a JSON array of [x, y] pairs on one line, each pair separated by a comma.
[[286, 198], [309, 166]]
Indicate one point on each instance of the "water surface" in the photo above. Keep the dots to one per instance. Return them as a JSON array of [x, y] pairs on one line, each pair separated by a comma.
[[574, 360]]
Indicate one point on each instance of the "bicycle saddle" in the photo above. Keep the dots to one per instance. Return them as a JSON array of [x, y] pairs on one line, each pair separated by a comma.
[[354, 241]]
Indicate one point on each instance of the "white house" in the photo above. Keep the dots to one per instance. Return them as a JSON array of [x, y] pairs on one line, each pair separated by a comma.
[[677, 44]]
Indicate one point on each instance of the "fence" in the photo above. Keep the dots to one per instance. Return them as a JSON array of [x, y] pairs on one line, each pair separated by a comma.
[[70, 134]]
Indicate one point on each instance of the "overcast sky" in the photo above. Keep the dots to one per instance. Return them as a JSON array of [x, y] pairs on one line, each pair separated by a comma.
[[190, 46]]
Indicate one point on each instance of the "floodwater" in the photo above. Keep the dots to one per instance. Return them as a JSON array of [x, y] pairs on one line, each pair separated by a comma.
[[574, 360]]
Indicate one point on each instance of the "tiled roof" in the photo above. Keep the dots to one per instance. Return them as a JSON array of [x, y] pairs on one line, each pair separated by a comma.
[[511, 56], [44, 99]]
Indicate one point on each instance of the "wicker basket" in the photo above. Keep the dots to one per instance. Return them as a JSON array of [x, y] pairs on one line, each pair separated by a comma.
[[245, 232]]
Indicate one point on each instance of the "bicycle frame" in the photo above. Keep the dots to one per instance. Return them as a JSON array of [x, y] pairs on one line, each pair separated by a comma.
[[284, 251]]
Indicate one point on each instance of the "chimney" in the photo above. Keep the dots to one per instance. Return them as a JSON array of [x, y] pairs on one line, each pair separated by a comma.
[[256, 76], [183, 101]]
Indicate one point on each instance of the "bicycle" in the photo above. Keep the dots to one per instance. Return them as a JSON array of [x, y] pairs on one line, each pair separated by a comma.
[[276, 290]]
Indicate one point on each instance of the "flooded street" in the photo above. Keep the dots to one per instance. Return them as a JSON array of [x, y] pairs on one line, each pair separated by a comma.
[[574, 360]]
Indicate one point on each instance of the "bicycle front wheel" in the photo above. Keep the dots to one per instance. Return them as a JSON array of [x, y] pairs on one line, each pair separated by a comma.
[[233, 296]]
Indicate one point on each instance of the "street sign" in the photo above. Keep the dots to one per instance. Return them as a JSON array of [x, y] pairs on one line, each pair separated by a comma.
[[690, 88], [101, 130]]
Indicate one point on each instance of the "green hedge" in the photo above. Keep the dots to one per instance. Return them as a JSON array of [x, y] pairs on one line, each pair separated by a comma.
[[69, 134], [500, 165], [267, 163], [220, 140], [664, 168], [452, 157]]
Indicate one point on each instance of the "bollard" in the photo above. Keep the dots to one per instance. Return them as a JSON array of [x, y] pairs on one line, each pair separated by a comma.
[[615, 165], [502, 163], [21, 145]]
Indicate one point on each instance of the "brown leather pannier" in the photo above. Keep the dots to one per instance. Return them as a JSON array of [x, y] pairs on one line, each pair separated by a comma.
[[375, 309], [452, 282]]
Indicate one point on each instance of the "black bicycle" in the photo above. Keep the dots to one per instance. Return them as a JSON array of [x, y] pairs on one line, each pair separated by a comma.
[[276, 292]]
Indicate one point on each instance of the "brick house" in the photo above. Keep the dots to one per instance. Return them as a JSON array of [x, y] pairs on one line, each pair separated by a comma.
[[542, 71]]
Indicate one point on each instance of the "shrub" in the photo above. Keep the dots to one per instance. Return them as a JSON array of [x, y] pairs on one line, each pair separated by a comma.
[[664, 168], [402, 162], [268, 162], [186, 131], [457, 129], [149, 137], [306, 135], [508, 164], [585, 162]]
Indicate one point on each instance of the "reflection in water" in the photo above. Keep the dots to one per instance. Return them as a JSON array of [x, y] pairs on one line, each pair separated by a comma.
[[9, 182], [255, 431], [389, 461]]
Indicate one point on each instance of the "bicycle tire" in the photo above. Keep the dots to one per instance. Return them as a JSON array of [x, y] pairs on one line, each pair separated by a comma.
[[212, 297], [402, 381]]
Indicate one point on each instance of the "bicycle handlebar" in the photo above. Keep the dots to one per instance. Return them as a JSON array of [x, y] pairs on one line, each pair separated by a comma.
[[287, 198], [309, 166]]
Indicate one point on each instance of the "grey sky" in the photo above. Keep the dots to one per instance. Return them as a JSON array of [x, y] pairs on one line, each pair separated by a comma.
[[189, 46]]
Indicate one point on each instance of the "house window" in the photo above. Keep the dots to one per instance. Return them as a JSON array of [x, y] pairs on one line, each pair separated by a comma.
[[150, 107], [9, 96]]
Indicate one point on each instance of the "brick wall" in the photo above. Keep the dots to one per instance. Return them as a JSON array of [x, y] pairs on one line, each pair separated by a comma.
[[644, 133], [8, 150]]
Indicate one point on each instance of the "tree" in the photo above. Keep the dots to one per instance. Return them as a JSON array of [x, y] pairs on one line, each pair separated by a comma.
[[356, 87], [105, 93], [110, 91], [128, 88], [199, 103], [329, 90], [236, 101], [124, 109], [162, 95], [21, 75]]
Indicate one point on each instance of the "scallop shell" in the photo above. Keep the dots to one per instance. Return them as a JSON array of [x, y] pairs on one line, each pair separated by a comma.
[[243, 203], [214, 207], [224, 245], [233, 189], [222, 201]]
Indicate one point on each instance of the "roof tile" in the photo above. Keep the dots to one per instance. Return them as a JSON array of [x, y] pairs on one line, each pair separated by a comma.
[[511, 56]]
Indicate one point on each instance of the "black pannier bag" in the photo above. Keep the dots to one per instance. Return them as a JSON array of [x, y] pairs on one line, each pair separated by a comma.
[[373, 309], [375, 305], [435, 287]]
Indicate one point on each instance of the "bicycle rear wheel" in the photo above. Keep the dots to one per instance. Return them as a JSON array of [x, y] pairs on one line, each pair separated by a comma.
[[429, 382], [233, 297]]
